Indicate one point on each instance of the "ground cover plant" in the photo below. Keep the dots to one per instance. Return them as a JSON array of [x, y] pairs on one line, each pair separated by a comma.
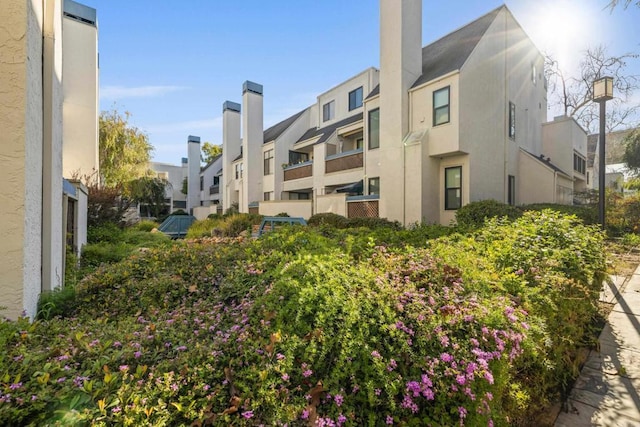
[[315, 326]]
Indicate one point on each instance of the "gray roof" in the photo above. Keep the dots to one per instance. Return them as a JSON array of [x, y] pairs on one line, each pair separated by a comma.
[[327, 131], [203, 168], [374, 92], [451, 51], [276, 130], [546, 161]]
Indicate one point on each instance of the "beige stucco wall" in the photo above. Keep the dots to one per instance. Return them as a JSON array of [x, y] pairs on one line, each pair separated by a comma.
[[202, 212], [368, 79], [333, 203], [80, 106], [301, 208], [536, 183], [21, 122]]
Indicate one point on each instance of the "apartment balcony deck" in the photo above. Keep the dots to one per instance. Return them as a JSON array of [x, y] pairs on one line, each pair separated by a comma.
[[343, 161], [214, 189], [301, 170]]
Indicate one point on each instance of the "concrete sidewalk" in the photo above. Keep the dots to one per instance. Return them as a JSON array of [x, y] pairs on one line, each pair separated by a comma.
[[607, 393]]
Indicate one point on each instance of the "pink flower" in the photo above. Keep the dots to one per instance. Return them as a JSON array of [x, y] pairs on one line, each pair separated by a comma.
[[307, 373], [389, 420], [304, 415], [375, 354], [338, 398], [248, 414]]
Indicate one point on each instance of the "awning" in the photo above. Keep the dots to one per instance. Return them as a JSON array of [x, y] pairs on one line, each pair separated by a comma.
[[69, 189], [356, 188]]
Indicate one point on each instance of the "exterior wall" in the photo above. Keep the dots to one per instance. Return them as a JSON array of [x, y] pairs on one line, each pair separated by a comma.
[[81, 216], [562, 138], [400, 67], [333, 203], [202, 212], [284, 143], [21, 121], [80, 106], [368, 79], [301, 208], [176, 175], [448, 216], [231, 146], [252, 134], [499, 71], [207, 174], [193, 169], [536, 183]]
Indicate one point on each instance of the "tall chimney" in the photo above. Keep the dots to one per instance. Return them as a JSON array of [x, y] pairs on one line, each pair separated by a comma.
[[400, 67], [231, 149], [252, 140], [193, 180]]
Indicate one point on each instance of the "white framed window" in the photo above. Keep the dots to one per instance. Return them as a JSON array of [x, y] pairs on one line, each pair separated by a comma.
[[328, 111], [441, 104], [269, 162], [453, 188]]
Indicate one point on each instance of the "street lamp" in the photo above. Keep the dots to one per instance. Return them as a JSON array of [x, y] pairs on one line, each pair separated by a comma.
[[602, 92]]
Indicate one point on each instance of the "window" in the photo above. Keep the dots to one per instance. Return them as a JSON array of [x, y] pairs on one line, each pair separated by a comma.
[[355, 99], [216, 180], [201, 183], [298, 196], [328, 111], [296, 157], [374, 128], [511, 196], [268, 162], [579, 164], [359, 143], [268, 195], [441, 106], [512, 120], [453, 188], [238, 170], [534, 74], [374, 185]]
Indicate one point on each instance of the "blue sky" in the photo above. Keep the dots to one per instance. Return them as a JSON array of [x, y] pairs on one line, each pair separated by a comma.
[[172, 64]]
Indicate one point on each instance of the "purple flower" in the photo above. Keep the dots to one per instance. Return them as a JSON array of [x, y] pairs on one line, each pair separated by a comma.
[[137, 354], [377, 392], [285, 377], [341, 419], [116, 410], [462, 412], [375, 354], [392, 365], [62, 379], [338, 398], [446, 357], [280, 356], [123, 368], [307, 373], [15, 386], [461, 379], [305, 414], [248, 414], [489, 377], [34, 397], [117, 344], [389, 420], [181, 348]]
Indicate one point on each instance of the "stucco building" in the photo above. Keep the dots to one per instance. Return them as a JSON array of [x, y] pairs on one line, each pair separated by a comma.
[[49, 122], [436, 127]]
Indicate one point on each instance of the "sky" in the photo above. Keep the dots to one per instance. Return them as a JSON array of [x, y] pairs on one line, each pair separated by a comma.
[[173, 64]]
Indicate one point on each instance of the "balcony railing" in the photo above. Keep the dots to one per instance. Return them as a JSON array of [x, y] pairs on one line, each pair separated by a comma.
[[343, 161], [301, 170], [214, 189]]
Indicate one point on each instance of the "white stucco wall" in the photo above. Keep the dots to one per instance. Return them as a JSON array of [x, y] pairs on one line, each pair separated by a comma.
[[367, 79], [252, 140], [193, 171], [80, 106], [231, 144], [21, 122], [536, 183], [333, 203], [302, 208]]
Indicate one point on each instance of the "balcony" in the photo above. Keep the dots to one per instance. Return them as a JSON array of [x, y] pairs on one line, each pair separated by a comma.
[[301, 170], [214, 189], [344, 161]]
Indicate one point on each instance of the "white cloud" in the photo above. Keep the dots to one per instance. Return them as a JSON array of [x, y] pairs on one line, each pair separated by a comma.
[[120, 92]]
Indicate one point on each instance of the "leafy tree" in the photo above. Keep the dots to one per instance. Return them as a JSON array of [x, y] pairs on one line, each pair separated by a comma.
[[632, 158], [210, 151], [185, 186], [574, 93], [125, 150], [149, 192]]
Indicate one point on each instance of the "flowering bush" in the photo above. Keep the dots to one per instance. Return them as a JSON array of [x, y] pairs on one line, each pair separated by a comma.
[[296, 328]]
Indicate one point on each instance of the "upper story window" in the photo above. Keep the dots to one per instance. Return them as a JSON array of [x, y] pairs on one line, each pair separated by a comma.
[[512, 120], [453, 188], [579, 164], [511, 195], [534, 74], [374, 128], [359, 143], [441, 100], [238, 170], [268, 162], [328, 111], [216, 180], [201, 183], [355, 99]]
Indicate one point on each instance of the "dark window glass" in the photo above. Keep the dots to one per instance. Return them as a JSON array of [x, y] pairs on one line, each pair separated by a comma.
[[374, 185], [328, 111], [355, 99], [441, 106], [268, 162], [453, 188], [512, 190]]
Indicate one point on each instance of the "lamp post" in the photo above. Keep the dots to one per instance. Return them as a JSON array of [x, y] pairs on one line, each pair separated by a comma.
[[602, 92]]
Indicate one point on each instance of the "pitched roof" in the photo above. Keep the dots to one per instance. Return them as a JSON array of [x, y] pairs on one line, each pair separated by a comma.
[[451, 51], [276, 130], [211, 162], [546, 162], [327, 131]]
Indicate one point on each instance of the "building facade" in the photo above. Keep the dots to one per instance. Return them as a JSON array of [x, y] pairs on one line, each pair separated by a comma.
[[44, 213]]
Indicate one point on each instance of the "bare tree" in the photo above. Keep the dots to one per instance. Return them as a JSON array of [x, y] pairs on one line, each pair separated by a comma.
[[613, 3], [574, 93]]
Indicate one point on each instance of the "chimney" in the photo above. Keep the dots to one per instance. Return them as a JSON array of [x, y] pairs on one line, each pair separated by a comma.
[[400, 67], [231, 149], [252, 140], [193, 177]]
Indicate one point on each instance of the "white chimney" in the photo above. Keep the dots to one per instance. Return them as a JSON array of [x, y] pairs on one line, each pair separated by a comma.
[[400, 67], [231, 149], [252, 140], [193, 179]]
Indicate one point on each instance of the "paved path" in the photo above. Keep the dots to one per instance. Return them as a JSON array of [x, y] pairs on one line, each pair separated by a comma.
[[607, 393]]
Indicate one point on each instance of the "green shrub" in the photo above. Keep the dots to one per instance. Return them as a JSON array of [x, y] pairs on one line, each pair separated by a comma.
[[206, 227], [328, 219], [588, 214], [622, 214], [105, 232], [283, 214], [473, 215], [234, 225], [146, 226], [373, 223]]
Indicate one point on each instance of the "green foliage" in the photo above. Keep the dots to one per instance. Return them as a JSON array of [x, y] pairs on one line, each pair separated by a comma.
[[105, 205], [107, 232], [622, 213], [149, 192], [338, 221], [348, 326], [125, 151], [228, 225], [587, 214], [330, 219], [283, 215], [146, 225], [473, 215], [210, 152], [632, 151]]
